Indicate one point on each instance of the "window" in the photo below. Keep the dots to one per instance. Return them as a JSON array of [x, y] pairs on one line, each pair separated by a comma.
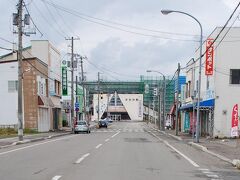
[[207, 84], [57, 87], [234, 76], [12, 86]]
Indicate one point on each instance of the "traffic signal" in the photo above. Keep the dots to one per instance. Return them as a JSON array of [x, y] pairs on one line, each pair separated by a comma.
[[101, 95]]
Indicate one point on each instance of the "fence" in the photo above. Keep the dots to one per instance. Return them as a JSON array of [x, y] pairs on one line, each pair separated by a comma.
[[15, 126]]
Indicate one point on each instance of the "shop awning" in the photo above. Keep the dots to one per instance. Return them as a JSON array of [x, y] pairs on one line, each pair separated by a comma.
[[43, 100], [203, 104]]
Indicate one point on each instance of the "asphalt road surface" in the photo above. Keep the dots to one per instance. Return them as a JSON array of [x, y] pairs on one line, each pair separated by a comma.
[[124, 151]]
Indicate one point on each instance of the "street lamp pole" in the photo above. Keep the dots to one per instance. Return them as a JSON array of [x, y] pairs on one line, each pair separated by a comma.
[[166, 12], [164, 99]]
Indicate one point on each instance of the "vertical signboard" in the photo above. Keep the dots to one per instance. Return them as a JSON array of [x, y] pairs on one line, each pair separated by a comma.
[[234, 129], [209, 57], [64, 81]]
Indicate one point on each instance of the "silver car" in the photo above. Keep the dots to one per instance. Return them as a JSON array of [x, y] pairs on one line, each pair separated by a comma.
[[81, 126]]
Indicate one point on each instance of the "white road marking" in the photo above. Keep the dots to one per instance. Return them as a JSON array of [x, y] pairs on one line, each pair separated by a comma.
[[107, 140], [177, 151], [204, 169], [98, 146], [56, 177], [82, 158], [115, 134], [212, 175], [46, 142]]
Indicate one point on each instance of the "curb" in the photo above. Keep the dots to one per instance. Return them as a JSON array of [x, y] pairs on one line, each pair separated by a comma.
[[34, 140], [235, 162]]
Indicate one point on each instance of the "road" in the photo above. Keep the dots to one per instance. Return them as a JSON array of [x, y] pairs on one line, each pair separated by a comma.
[[124, 151]]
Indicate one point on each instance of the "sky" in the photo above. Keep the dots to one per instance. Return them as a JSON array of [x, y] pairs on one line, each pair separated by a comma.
[[122, 39]]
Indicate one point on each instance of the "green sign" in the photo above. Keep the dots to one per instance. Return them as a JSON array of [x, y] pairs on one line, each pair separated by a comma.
[[64, 81]]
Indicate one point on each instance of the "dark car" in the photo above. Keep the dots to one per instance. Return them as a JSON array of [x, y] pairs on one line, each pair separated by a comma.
[[103, 123]]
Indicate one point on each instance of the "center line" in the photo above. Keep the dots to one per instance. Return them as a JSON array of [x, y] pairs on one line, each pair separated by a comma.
[[56, 177], [107, 140], [82, 158], [98, 146], [115, 134]]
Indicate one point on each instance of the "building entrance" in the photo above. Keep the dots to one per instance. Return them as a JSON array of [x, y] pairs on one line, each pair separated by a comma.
[[116, 117]]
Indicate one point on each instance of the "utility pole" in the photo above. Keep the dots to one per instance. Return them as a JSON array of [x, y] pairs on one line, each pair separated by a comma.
[[177, 91], [159, 108], [148, 111], [72, 74], [76, 96], [164, 103], [84, 98], [20, 72], [98, 95]]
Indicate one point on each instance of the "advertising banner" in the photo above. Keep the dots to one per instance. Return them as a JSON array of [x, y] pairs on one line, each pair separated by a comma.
[[64, 81], [209, 57], [234, 129]]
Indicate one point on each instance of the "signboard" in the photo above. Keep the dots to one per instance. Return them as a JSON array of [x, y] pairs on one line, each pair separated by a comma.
[[209, 57], [64, 81], [234, 129], [76, 106]]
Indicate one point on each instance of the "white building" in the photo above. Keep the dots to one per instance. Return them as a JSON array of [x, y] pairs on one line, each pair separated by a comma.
[[41, 87], [219, 91], [118, 106]]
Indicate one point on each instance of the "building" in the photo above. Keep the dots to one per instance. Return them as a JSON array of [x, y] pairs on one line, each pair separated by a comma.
[[41, 87], [220, 85], [148, 87], [118, 106]]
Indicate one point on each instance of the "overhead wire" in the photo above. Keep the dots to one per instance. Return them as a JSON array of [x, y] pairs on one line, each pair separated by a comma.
[[55, 21], [124, 25], [218, 35], [101, 70], [32, 19], [116, 28], [47, 21]]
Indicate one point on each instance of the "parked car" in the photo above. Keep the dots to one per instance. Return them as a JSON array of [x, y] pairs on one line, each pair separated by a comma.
[[103, 123], [109, 120], [81, 126]]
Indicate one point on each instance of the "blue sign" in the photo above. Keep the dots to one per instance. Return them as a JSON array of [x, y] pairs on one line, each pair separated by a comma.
[[76, 105]]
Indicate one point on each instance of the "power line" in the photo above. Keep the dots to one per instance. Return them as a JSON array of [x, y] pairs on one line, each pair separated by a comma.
[[226, 32], [46, 20], [6, 40], [6, 49], [51, 14], [101, 69], [32, 19], [121, 24], [116, 28], [63, 20]]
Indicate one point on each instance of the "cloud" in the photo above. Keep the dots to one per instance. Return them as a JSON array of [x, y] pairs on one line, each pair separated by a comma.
[[134, 60]]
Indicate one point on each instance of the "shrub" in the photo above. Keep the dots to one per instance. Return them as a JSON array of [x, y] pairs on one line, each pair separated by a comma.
[[64, 123]]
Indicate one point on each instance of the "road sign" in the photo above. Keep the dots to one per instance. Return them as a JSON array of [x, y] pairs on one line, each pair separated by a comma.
[[76, 105]]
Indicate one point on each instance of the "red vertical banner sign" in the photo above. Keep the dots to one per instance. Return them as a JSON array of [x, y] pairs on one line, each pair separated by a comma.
[[209, 57], [234, 129]]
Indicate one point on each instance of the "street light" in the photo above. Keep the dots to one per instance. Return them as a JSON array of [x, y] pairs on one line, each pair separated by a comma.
[[164, 97], [166, 12]]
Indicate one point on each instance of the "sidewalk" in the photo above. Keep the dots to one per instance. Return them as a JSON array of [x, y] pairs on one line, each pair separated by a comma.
[[8, 142], [225, 149]]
